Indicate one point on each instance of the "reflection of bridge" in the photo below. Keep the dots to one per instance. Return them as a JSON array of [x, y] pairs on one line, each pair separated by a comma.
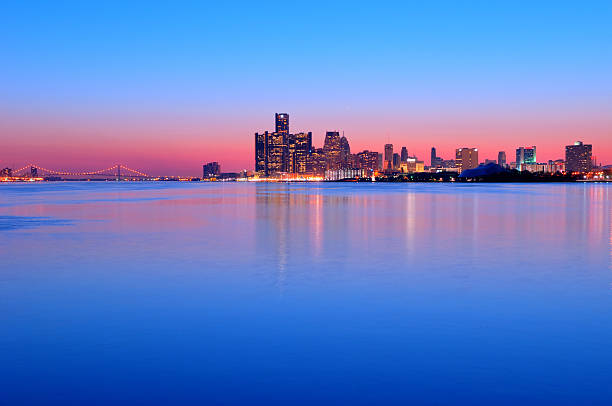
[[114, 171]]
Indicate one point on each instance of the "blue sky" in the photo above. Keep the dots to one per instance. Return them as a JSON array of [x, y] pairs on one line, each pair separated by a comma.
[[207, 62]]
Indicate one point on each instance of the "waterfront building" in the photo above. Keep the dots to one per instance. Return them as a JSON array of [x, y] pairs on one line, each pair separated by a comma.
[[396, 161], [261, 153], [535, 167], [419, 166], [388, 164], [280, 152], [578, 157], [557, 165], [211, 169], [354, 161], [346, 173], [501, 158], [412, 165], [448, 164], [545, 167], [404, 154], [436, 161], [299, 150], [277, 150], [317, 162], [333, 150], [368, 160], [525, 156], [282, 123], [466, 158], [345, 153]]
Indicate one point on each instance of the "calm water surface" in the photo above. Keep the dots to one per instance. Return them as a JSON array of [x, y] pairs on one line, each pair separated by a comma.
[[167, 293]]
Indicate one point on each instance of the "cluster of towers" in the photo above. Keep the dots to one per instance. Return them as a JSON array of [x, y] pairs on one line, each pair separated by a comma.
[[281, 152], [400, 162]]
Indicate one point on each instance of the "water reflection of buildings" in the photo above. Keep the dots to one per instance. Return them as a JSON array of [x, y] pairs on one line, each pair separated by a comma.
[[333, 227], [609, 203], [299, 225], [290, 222]]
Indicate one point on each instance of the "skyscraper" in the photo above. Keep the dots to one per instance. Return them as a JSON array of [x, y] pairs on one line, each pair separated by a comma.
[[525, 156], [578, 157], [436, 161], [368, 160], [277, 152], [317, 162], [282, 123], [466, 158], [345, 152], [396, 161], [211, 169], [299, 150], [501, 158], [388, 165], [332, 150], [404, 154], [261, 153]]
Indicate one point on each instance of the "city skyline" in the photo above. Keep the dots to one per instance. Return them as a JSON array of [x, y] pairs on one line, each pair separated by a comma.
[[306, 203], [176, 87], [448, 152]]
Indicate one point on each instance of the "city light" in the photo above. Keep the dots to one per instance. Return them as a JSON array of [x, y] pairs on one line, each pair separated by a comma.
[[282, 156]]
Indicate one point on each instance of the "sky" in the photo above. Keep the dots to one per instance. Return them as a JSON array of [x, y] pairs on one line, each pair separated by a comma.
[[164, 87]]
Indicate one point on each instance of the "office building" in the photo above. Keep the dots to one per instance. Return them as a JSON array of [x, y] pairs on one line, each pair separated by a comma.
[[525, 156], [345, 173], [211, 169], [317, 164], [277, 150], [466, 158], [404, 154], [345, 153], [282, 123], [388, 164], [501, 158], [412, 165], [435, 160], [579, 157], [368, 160], [557, 165], [261, 153], [396, 161], [333, 150], [272, 150], [299, 151], [448, 164]]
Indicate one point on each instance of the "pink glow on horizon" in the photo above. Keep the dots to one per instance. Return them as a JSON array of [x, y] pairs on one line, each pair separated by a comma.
[[159, 144]]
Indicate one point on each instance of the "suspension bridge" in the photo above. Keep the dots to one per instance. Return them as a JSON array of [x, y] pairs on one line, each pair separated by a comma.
[[118, 172]]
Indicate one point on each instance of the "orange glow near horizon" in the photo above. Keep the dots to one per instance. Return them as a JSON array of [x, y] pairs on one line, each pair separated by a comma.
[[167, 147]]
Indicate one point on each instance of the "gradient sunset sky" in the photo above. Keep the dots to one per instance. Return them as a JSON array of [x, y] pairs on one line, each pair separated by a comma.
[[165, 87]]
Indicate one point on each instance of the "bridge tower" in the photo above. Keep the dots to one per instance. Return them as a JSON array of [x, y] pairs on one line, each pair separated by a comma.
[[118, 172]]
